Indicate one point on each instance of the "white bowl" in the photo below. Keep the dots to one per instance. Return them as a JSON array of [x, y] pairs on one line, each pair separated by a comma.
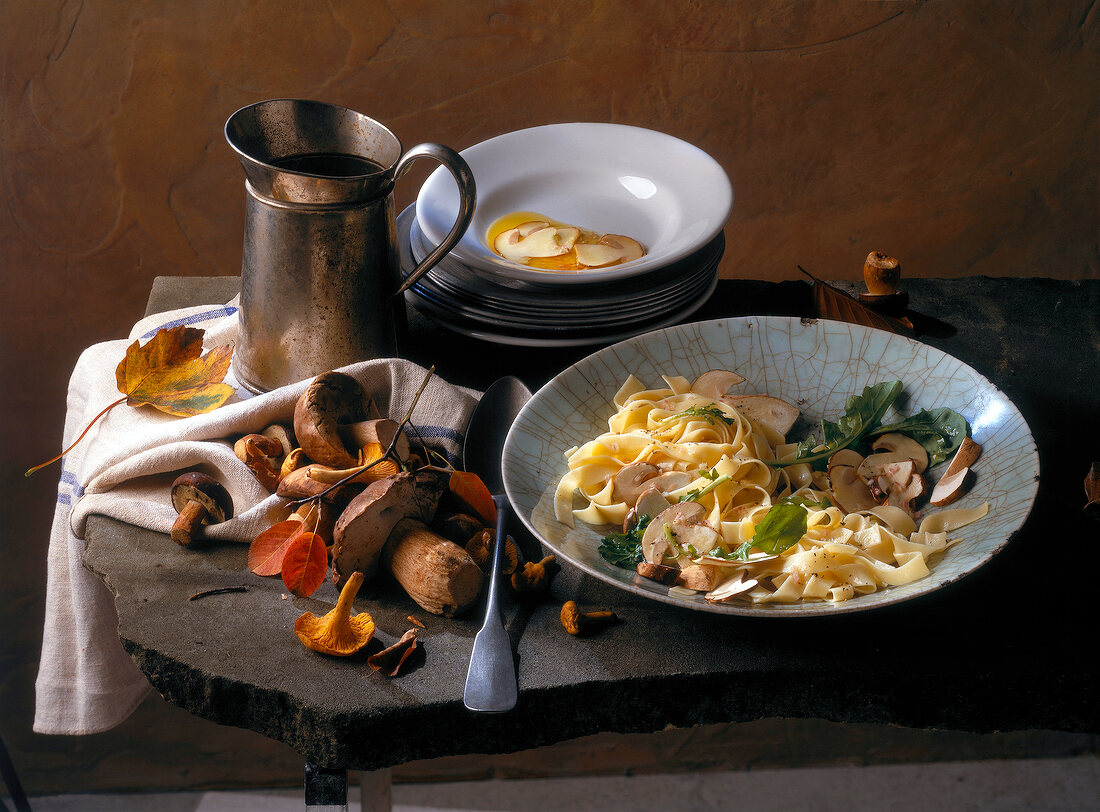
[[609, 178], [816, 364]]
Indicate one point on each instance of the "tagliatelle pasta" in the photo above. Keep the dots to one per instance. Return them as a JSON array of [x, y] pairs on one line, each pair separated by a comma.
[[753, 531]]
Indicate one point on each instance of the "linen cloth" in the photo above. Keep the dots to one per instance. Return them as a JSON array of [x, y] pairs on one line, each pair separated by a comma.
[[124, 467]]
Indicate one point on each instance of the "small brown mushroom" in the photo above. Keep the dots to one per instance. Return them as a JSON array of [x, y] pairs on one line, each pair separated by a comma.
[[339, 633], [292, 462], [261, 455], [199, 499], [331, 400], [686, 523], [282, 435], [457, 526], [576, 622], [479, 546], [881, 273], [651, 503], [535, 577]]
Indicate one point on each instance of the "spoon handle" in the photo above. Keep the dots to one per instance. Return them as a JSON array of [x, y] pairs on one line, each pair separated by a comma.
[[491, 681]]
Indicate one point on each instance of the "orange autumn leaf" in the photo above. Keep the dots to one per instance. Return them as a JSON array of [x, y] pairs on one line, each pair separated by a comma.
[[305, 564], [265, 553], [171, 374], [471, 492]]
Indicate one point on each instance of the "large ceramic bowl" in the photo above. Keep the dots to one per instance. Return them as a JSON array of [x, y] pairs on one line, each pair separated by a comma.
[[816, 364], [610, 178]]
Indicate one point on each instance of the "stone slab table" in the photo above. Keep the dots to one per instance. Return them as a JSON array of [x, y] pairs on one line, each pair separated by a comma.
[[1006, 648]]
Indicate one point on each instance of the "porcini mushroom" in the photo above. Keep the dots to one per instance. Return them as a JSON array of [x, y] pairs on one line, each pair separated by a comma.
[[904, 448], [685, 523], [715, 383], [629, 481], [951, 487], [775, 413], [365, 525], [611, 248], [436, 573], [339, 633], [332, 399], [526, 241], [965, 457], [851, 493], [576, 622], [199, 499]]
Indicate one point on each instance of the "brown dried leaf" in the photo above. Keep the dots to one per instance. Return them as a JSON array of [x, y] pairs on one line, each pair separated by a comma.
[[1092, 488], [834, 304], [389, 660]]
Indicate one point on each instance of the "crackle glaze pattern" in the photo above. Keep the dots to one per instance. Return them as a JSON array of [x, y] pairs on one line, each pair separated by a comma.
[[815, 364]]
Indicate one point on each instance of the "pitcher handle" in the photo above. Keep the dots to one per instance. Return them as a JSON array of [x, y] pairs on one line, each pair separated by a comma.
[[467, 198]]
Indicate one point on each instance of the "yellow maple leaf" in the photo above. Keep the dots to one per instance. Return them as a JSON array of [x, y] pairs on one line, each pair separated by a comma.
[[169, 373]]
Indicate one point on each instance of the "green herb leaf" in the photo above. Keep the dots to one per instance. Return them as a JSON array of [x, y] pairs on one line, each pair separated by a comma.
[[781, 528], [941, 431], [625, 549], [862, 414], [709, 413]]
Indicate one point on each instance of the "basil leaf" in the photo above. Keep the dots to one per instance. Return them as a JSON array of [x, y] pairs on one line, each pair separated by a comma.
[[941, 431], [781, 528]]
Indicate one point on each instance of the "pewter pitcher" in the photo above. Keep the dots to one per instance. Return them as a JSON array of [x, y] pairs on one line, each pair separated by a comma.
[[320, 272]]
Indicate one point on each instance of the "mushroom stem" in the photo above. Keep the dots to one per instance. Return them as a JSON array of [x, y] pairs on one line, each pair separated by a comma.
[[577, 622], [183, 529]]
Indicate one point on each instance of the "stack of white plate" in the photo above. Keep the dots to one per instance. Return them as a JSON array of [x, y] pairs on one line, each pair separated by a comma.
[[520, 312], [608, 178]]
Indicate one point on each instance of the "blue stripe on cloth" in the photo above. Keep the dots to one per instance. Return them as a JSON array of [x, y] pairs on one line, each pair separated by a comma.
[[206, 315]]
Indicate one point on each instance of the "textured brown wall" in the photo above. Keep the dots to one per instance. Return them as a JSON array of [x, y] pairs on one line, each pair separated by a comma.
[[958, 136]]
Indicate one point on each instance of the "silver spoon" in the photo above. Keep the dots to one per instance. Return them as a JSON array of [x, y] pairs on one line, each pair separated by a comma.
[[491, 680]]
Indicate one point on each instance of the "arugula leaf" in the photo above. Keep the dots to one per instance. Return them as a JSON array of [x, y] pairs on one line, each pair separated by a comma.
[[862, 414], [782, 527], [625, 549], [941, 431]]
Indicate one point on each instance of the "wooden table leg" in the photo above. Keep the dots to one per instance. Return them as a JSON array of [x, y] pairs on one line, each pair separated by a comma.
[[376, 791]]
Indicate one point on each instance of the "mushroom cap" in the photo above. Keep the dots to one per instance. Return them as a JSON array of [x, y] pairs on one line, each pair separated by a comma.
[[850, 491], [366, 523], [196, 486], [678, 517], [330, 400]]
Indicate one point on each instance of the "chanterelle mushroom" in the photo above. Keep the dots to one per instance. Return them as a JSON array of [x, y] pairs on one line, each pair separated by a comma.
[[331, 400], [198, 499], [339, 633]]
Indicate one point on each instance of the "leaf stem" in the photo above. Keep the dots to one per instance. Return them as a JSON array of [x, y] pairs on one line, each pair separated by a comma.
[[78, 439]]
